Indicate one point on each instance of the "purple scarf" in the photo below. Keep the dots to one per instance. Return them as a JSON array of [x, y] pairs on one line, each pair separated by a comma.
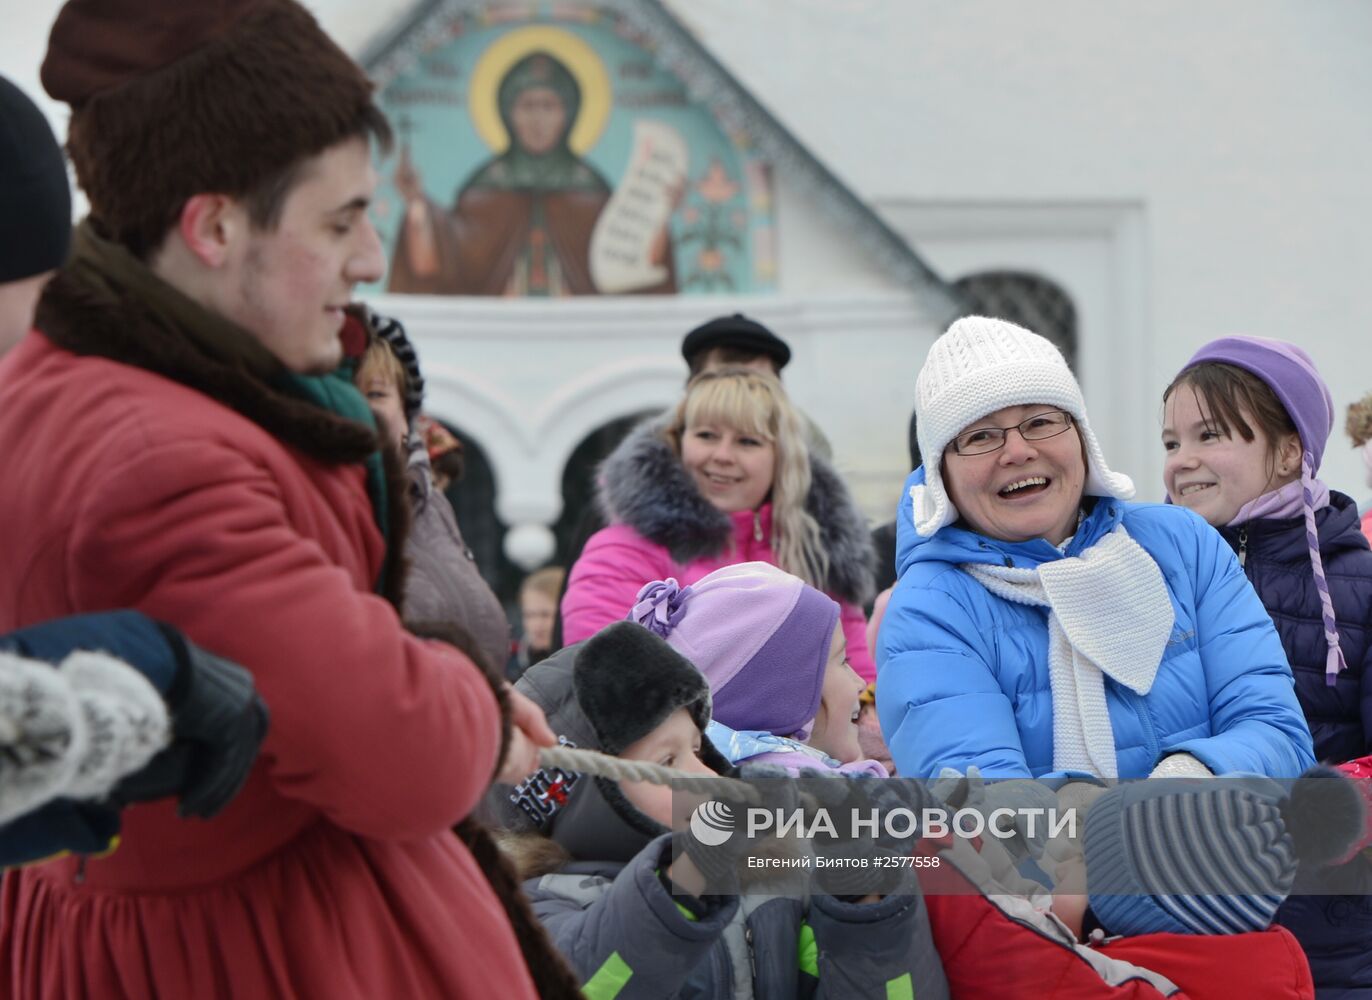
[[1303, 497], [1284, 501]]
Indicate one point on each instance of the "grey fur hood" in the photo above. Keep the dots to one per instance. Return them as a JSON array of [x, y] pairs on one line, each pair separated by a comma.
[[644, 485]]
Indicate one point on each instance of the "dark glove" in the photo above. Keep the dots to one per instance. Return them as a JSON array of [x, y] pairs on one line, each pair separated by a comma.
[[725, 865], [863, 857], [1022, 796], [218, 724], [56, 828]]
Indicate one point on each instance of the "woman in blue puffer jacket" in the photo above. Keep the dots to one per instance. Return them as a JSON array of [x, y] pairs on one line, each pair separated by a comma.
[[1245, 425], [1044, 627]]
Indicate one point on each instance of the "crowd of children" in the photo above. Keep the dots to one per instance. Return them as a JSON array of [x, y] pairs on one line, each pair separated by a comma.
[[752, 670], [227, 465]]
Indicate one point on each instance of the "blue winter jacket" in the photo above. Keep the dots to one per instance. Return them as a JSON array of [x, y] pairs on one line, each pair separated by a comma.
[[1334, 929], [963, 674]]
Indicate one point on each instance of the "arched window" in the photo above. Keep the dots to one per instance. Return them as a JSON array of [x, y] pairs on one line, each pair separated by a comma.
[[578, 520], [473, 500], [1033, 302]]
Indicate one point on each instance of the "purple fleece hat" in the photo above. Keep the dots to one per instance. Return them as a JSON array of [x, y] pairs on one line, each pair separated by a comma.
[[1291, 375], [759, 635]]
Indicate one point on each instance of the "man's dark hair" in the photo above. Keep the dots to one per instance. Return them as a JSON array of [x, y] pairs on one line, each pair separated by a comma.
[[728, 356], [266, 199], [233, 99]]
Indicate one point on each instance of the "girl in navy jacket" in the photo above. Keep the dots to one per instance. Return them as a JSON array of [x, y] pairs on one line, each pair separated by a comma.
[[1245, 425]]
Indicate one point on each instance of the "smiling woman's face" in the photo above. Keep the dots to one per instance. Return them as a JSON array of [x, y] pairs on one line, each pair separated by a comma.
[[1025, 489], [733, 470]]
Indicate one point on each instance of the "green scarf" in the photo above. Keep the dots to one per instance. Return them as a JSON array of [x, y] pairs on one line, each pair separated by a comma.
[[111, 270]]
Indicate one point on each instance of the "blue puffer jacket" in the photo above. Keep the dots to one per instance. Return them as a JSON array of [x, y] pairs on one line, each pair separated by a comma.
[[963, 674], [1277, 562], [1334, 930]]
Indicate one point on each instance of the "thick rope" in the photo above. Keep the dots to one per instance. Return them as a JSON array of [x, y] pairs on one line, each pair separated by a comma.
[[617, 769]]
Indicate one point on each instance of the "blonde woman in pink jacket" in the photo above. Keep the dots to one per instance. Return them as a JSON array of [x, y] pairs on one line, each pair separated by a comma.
[[724, 478]]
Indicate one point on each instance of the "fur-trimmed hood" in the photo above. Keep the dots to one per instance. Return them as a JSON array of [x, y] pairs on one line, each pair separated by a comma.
[[644, 485]]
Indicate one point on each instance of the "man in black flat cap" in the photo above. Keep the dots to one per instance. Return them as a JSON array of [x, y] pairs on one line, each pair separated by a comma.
[[734, 342]]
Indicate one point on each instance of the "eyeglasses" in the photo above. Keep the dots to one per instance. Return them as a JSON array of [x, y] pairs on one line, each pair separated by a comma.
[[1039, 427]]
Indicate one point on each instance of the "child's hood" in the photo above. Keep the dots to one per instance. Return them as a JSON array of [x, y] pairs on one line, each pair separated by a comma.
[[754, 746]]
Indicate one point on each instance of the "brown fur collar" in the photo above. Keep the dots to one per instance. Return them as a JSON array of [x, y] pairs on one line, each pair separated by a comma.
[[88, 320], [83, 319]]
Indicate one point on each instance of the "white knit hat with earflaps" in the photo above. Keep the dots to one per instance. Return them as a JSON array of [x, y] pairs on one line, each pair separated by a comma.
[[979, 366]]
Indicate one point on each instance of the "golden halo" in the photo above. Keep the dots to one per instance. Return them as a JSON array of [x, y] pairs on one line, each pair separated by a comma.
[[573, 53]]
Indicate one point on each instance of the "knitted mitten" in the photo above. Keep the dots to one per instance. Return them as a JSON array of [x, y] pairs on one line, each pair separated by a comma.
[[43, 734], [1180, 765], [125, 717]]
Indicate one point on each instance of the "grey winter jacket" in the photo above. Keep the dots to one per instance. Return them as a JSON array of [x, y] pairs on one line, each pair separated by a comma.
[[627, 937]]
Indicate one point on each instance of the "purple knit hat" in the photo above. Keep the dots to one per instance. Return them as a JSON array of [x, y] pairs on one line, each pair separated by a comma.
[[1291, 375], [759, 635]]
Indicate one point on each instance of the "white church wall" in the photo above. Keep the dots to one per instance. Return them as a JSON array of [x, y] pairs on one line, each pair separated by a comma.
[[1238, 127], [528, 381], [1097, 254]]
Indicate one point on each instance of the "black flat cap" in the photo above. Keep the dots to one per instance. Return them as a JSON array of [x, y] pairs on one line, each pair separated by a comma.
[[736, 331]]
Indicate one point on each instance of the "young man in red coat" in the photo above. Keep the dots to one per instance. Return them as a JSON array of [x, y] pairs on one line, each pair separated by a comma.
[[179, 439]]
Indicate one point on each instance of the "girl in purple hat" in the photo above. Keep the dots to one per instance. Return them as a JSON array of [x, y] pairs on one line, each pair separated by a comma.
[[774, 652], [1245, 425]]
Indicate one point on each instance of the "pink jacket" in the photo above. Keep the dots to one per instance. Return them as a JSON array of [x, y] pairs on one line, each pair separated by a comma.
[[662, 527]]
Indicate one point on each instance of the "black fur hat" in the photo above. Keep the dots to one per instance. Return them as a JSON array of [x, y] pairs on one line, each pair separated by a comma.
[[628, 681], [604, 694]]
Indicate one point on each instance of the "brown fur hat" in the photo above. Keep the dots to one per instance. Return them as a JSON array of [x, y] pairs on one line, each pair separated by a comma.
[[171, 99]]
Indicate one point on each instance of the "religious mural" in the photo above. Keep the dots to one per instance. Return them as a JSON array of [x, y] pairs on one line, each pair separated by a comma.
[[550, 154]]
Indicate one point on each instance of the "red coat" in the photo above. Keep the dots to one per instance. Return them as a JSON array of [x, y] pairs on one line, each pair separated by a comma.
[[333, 874], [987, 952]]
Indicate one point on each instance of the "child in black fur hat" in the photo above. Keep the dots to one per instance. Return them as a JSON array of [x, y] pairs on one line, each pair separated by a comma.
[[598, 860]]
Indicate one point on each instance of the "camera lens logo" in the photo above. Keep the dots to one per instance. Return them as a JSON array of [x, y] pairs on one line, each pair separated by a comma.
[[712, 823]]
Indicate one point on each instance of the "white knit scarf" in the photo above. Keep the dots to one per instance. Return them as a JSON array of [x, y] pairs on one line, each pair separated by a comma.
[[1109, 614]]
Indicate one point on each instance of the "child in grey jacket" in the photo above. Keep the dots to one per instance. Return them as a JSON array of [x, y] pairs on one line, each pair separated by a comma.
[[601, 873]]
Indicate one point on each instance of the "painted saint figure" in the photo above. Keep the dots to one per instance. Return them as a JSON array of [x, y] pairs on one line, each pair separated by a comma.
[[522, 223]]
